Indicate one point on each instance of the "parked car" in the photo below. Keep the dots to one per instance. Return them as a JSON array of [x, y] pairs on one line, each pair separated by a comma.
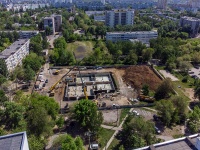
[[94, 146], [157, 130], [155, 117], [46, 81], [135, 113]]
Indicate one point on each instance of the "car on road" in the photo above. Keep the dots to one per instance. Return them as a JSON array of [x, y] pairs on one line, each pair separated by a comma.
[[157, 130], [46, 81], [135, 113]]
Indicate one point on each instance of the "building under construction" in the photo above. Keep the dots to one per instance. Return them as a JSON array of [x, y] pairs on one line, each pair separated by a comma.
[[95, 83]]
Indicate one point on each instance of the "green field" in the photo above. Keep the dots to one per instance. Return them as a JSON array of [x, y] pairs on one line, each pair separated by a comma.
[[81, 48], [104, 136]]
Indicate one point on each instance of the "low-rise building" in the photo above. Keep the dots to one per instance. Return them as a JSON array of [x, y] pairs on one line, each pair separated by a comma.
[[142, 36], [14, 54], [191, 142], [27, 34], [16, 141]]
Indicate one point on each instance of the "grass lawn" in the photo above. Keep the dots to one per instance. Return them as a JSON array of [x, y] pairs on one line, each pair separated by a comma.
[[159, 67], [104, 136], [81, 48], [114, 144], [124, 112], [188, 84]]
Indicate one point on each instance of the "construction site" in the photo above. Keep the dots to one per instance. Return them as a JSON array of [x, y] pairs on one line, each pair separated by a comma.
[[94, 83]]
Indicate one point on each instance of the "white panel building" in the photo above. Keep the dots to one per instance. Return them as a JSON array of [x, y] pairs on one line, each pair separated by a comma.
[[14, 54], [142, 36], [119, 17]]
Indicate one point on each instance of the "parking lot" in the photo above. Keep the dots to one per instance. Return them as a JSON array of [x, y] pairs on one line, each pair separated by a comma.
[[148, 115], [195, 72]]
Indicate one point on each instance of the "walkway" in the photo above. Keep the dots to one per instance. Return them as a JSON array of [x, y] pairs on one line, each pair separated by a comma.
[[117, 129]]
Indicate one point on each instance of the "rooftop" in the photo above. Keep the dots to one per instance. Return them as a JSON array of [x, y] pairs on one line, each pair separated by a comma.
[[12, 141], [13, 48], [136, 32], [191, 18], [185, 143]]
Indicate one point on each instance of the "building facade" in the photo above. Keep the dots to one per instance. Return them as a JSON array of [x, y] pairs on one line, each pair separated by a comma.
[[142, 36], [14, 54], [54, 23], [192, 23], [119, 17], [162, 4], [49, 22]]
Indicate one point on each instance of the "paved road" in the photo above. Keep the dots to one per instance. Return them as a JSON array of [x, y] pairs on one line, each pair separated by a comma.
[[168, 75]]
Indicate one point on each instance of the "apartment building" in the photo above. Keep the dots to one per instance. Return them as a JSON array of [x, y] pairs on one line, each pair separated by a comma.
[[27, 34], [14, 54], [49, 22], [54, 23], [192, 23], [142, 36], [162, 4], [119, 17]]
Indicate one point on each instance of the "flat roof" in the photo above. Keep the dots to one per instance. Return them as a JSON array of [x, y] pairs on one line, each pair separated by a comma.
[[191, 18], [12, 141], [184, 143], [13, 48], [136, 32]]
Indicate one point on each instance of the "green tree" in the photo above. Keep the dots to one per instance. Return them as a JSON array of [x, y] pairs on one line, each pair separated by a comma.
[[86, 113], [166, 111], [13, 114], [147, 54], [3, 68], [194, 120], [60, 122], [38, 121], [3, 98], [60, 43], [180, 105], [66, 142], [35, 143], [28, 73], [145, 90], [165, 89], [137, 133]]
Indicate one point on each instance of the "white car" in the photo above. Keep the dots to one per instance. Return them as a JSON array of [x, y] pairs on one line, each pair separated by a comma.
[[135, 113]]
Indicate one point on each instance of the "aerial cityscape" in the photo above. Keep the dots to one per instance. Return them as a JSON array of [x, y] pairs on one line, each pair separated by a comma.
[[100, 74]]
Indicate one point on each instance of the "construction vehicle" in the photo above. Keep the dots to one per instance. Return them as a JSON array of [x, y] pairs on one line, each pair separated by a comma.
[[56, 72], [83, 85], [53, 87]]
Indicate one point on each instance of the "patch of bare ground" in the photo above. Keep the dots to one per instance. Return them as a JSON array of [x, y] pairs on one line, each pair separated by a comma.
[[137, 76]]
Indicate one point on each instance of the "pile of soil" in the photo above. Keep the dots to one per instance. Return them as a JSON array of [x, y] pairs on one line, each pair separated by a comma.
[[137, 76]]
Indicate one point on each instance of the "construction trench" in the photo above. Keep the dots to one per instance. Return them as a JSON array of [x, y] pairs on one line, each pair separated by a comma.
[[95, 83]]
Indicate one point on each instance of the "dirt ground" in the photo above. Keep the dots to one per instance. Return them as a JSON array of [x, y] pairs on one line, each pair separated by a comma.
[[189, 92], [137, 76], [111, 117]]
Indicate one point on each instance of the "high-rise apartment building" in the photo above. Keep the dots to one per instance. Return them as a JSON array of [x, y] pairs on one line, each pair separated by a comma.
[[162, 4], [49, 22], [54, 23], [119, 17], [192, 23]]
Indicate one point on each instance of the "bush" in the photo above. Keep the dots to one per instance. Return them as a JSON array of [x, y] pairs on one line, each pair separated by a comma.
[[185, 79]]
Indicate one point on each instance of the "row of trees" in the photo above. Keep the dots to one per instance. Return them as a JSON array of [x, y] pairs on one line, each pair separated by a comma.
[[35, 114]]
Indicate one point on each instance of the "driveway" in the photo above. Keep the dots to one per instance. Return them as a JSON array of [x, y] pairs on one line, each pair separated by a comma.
[[167, 74]]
